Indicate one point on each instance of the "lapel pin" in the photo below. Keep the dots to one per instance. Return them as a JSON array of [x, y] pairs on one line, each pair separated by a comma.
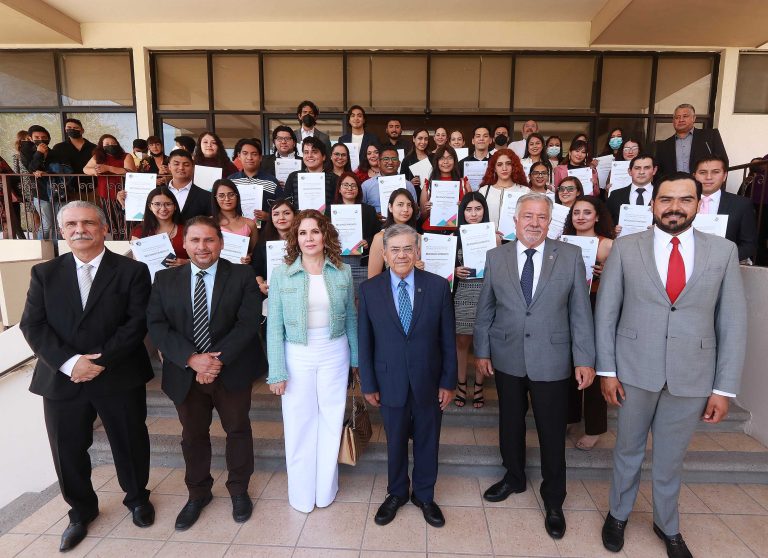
[[551, 257], [418, 290]]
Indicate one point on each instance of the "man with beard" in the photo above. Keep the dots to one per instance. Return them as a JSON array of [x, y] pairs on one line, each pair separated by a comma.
[[307, 113], [685, 368], [394, 135]]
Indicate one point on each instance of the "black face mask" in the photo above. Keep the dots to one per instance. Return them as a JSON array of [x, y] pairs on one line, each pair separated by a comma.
[[38, 142], [113, 150], [501, 140], [308, 120], [74, 134]]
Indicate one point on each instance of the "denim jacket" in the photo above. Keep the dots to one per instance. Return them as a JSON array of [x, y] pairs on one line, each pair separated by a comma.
[[288, 302]]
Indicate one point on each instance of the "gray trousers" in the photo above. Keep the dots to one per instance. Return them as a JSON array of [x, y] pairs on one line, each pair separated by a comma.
[[672, 420]]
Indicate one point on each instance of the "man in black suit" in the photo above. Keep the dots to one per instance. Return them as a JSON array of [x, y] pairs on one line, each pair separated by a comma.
[[641, 169], [408, 368], [192, 199], [85, 319], [202, 317], [712, 172], [679, 152]]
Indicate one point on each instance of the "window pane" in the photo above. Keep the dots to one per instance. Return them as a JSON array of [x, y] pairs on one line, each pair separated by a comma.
[[454, 82], [122, 125], [554, 83], [96, 79], [173, 127], [236, 82], [232, 127], [495, 82], [626, 84], [27, 79], [752, 83], [291, 78], [630, 127], [399, 83], [683, 80], [359, 80], [565, 130], [12, 122], [182, 81]]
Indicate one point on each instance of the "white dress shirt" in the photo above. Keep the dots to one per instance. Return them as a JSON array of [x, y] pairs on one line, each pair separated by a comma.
[[646, 195], [94, 263], [181, 194], [307, 133], [714, 202], [538, 258], [208, 280]]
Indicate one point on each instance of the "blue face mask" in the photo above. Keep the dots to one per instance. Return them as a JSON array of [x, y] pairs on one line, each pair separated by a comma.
[[553, 151], [615, 143]]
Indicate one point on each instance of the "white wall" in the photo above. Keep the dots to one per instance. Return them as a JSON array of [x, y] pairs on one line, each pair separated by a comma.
[[754, 382]]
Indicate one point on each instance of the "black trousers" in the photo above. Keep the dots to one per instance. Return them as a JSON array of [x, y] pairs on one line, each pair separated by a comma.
[[595, 409], [550, 410], [195, 414], [70, 432]]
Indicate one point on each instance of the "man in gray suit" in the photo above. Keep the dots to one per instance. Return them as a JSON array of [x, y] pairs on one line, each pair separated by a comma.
[[534, 322], [685, 368], [307, 113]]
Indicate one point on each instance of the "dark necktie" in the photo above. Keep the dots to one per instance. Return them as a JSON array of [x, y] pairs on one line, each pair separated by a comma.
[[640, 200], [404, 305], [201, 333], [675, 271], [526, 278]]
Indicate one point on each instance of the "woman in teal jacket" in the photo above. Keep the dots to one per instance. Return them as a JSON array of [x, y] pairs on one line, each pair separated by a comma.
[[311, 344]]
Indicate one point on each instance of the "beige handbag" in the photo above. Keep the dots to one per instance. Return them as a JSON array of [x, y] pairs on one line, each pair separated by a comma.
[[357, 430]]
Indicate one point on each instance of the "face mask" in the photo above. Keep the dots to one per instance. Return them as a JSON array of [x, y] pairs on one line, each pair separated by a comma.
[[74, 134], [113, 150], [38, 142], [614, 143], [553, 151], [501, 140], [139, 154], [308, 120]]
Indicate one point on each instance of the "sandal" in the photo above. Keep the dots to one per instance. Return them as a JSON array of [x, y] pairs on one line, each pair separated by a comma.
[[478, 401], [587, 442], [460, 400]]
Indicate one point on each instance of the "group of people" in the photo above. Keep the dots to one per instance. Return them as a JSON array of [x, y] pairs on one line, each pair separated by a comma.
[[405, 332]]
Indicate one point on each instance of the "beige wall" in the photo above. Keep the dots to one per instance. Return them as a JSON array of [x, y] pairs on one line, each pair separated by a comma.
[[754, 382]]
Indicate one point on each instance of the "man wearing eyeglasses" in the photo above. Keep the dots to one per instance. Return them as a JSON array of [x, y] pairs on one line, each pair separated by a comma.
[[389, 163], [642, 169], [284, 141]]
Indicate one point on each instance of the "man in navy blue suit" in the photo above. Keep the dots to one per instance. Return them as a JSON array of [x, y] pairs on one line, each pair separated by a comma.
[[408, 368]]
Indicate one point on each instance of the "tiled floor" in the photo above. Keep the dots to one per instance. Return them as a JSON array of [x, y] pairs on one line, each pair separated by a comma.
[[718, 520]]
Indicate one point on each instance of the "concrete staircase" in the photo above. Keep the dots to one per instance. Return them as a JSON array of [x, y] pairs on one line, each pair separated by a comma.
[[469, 443]]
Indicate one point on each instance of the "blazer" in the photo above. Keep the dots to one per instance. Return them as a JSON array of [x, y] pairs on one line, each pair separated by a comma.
[[288, 310], [705, 142], [692, 346], [198, 203], [547, 338], [620, 196], [742, 224], [368, 139], [322, 136], [113, 323], [234, 326], [423, 361]]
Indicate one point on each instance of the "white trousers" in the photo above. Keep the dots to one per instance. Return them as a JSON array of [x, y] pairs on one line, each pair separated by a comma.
[[313, 414]]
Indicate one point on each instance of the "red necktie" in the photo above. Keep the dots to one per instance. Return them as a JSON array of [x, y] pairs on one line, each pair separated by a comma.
[[675, 271]]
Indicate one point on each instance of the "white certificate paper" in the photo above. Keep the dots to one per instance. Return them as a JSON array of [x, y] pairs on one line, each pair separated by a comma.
[[235, 246], [138, 185], [445, 203], [206, 176], [527, 164], [507, 214], [438, 252], [311, 190], [518, 147], [556, 226], [275, 256], [476, 240], [387, 185], [711, 224], [422, 169], [461, 152], [620, 175], [400, 156], [348, 220], [584, 174], [251, 198], [604, 165], [284, 167], [354, 155], [474, 171], [634, 218], [588, 245], [153, 250]]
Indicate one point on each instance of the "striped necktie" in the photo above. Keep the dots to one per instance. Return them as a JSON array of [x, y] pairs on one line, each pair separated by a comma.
[[201, 333], [84, 280], [404, 305]]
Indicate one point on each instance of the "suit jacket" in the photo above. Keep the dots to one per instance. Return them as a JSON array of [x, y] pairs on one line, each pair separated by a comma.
[[546, 339], [198, 203], [113, 323], [620, 196], [368, 139], [705, 142], [392, 362], [693, 346], [322, 136], [742, 224], [233, 323]]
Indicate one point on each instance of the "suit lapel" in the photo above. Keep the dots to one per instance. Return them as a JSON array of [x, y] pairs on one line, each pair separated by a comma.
[[71, 286], [185, 291], [645, 241], [219, 285], [104, 276], [418, 296], [514, 273], [700, 258], [549, 257], [389, 299], [725, 205]]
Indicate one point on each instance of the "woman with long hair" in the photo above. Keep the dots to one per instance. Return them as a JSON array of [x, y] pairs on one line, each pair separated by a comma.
[[108, 164], [554, 150], [613, 144], [401, 210], [210, 152], [162, 215], [578, 157], [440, 138], [228, 213], [340, 159], [630, 148], [369, 163], [538, 177], [419, 152], [504, 173], [446, 168], [570, 189], [356, 119]]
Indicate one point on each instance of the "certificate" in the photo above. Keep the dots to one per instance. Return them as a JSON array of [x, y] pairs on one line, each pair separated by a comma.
[[634, 218], [311, 191], [235, 246], [422, 169], [556, 226], [604, 164], [461, 153], [251, 198], [507, 214], [527, 164], [387, 185], [138, 185], [400, 157], [475, 171], [445, 203], [518, 147], [348, 220], [153, 251], [711, 223], [206, 176], [284, 167], [476, 240], [588, 245], [584, 174], [620, 175], [275, 256], [354, 155], [438, 252]]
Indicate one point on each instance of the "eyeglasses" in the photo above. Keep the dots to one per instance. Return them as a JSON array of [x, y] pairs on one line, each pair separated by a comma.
[[539, 173], [345, 186], [226, 196], [282, 139], [338, 154], [389, 159], [407, 250], [566, 188], [163, 205]]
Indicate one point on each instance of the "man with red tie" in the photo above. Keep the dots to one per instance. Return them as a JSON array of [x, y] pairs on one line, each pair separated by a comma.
[[686, 367]]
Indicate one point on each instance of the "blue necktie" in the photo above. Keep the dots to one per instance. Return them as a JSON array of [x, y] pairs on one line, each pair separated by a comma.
[[404, 305], [526, 278]]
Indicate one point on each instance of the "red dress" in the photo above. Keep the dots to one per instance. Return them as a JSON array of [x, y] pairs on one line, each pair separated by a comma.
[[177, 241]]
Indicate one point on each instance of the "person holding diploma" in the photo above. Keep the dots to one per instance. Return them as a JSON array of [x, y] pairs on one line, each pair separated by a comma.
[[473, 209], [314, 162], [418, 152], [630, 148], [590, 217], [369, 164], [613, 144], [162, 215], [250, 158], [401, 211], [108, 164], [504, 173], [389, 161], [538, 177], [349, 192], [446, 168], [642, 169], [156, 162], [227, 212], [311, 343], [356, 119], [210, 152], [534, 149], [340, 159], [577, 158], [284, 143], [568, 190]]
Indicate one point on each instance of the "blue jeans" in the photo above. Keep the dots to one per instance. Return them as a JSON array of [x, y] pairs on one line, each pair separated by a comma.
[[45, 210]]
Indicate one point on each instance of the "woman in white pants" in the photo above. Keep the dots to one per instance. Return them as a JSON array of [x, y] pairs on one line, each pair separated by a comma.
[[311, 343]]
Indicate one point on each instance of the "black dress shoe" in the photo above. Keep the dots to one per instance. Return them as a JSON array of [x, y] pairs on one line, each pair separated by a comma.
[[191, 512], [72, 536], [431, 511], [501, 491], [613, 533], [554, 523], [676, 547], [144, 515], [242, 507], [388, 510]]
